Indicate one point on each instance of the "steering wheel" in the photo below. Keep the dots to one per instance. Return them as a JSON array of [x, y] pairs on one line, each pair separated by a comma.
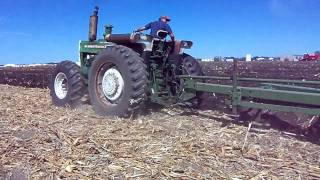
[[162, 34]]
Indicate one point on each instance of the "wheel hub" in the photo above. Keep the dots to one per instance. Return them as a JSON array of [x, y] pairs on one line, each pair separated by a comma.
[[61, 85], [112, 84]]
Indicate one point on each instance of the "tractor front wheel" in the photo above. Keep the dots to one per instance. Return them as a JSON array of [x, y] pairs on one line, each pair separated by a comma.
[[67, 85]]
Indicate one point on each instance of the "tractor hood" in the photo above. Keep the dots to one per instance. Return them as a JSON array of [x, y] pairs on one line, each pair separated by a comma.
[[120, 38], [128, 38], [138, 38]]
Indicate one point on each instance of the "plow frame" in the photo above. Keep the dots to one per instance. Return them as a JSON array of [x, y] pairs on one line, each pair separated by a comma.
[[275, 94]]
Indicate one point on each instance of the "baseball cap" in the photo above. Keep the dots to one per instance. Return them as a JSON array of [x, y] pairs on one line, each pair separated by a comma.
[[165, 17]]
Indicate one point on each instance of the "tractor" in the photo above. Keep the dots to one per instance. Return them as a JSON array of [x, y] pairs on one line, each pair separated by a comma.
[[122, 71], [311, 57]]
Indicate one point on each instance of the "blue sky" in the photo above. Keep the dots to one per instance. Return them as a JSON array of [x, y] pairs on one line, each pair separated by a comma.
[[40, 31]]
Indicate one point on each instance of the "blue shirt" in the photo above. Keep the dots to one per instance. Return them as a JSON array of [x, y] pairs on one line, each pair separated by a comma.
[[156, 26]]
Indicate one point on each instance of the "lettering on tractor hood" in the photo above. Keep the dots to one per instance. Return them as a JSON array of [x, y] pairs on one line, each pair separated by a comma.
[[95, 46]]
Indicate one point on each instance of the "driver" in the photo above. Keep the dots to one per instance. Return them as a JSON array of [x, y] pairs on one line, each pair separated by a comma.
[[161, 24]]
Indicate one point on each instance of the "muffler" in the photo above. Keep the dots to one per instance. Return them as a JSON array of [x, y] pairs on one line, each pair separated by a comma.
[[93, 25]]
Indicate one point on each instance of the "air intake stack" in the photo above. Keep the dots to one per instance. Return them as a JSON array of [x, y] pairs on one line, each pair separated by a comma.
[[93, 25]]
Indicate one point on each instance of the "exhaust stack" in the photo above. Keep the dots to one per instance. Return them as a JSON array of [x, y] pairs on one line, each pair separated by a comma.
[[93, 25]]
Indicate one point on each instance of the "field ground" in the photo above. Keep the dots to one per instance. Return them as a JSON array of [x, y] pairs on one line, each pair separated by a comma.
[[41, 141]]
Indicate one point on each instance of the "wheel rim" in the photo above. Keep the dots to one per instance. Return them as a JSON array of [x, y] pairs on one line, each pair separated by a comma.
[[112, 84], [61, 85]]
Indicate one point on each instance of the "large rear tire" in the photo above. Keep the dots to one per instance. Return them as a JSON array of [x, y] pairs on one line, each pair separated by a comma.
[[67, 85], [192, 67], [117, 82]]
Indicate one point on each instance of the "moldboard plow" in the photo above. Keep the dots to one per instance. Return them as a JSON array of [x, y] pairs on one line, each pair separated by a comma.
[[291, 101]]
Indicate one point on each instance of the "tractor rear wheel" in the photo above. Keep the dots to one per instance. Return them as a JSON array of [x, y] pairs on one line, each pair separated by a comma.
[[192, 67], [117, 82], [67, 85]]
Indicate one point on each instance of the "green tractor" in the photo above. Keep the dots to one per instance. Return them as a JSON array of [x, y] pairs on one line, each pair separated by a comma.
[[122, 71]]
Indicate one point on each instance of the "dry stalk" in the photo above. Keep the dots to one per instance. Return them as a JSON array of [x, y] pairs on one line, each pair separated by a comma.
[[246, 137]]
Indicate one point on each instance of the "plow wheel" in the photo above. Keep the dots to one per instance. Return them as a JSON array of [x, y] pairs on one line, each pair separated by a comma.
[[67, 85], [117, 82]]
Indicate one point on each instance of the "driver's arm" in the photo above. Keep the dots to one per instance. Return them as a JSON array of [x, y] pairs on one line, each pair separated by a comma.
[[168, 29], [171, 36], [146, 27], [141, 29]]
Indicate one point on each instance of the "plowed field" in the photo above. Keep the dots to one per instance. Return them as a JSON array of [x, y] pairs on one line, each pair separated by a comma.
[[32, 76], [41, 141]]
